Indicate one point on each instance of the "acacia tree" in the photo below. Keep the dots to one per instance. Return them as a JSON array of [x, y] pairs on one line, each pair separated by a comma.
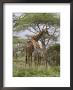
[[38, 22]]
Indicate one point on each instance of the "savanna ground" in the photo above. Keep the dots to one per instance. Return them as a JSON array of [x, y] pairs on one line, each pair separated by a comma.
[[20, 70]]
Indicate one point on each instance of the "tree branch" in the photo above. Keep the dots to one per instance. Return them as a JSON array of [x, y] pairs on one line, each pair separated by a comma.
[[43, 26], [31, 31], [38, 27], [50, 36], [48, 41], [43, 42], [35, 29], [54, 31]]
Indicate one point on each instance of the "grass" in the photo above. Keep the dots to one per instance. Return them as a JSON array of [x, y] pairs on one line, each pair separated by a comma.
[[19, 70]]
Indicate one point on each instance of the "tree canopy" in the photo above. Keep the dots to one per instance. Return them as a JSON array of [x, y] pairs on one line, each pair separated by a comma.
[[33, 19], [38, 22]]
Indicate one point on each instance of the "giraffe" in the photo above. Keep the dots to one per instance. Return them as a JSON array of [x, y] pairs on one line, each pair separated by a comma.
[[34, 46], [38, 47], [29, 49], [36, 53]]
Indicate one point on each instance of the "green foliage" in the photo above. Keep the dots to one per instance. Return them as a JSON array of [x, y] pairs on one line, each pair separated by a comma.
[[54, 54], [54, 47], [18, 40], [30, 19]]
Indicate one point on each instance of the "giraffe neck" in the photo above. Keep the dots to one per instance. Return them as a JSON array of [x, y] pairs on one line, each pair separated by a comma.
[[36, 44], [39, 35]]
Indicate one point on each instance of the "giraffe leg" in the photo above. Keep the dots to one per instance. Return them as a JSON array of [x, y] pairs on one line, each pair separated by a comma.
[[26, 57], [31, 60]]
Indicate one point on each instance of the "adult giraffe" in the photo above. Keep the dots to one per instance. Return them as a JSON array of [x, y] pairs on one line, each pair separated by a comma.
[[34, 46]]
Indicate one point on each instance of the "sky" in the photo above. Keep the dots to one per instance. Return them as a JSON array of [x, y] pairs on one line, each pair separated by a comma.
[[22, 34]]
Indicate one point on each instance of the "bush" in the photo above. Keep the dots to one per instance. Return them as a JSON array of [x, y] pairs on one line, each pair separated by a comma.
[[54, 54]]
